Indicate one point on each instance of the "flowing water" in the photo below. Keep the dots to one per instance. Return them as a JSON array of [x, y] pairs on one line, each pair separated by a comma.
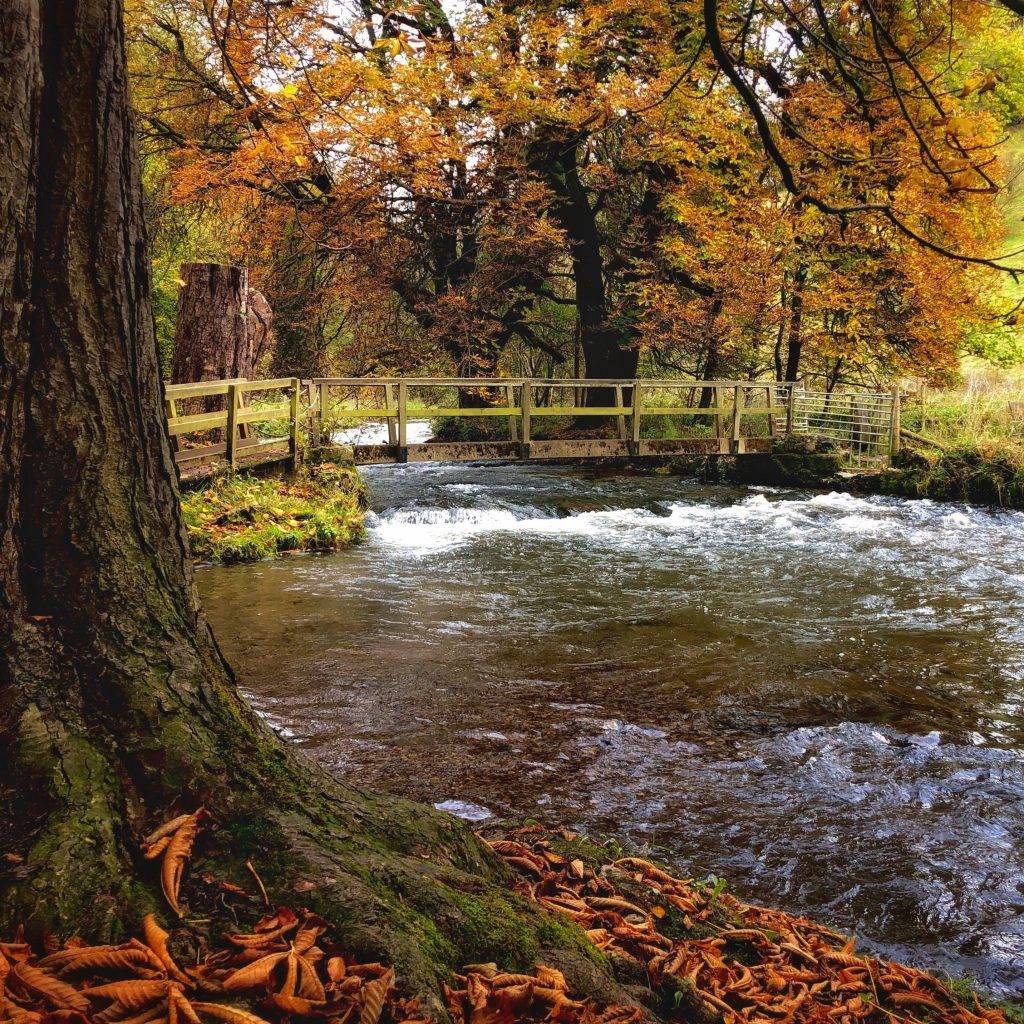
[[817, 696]]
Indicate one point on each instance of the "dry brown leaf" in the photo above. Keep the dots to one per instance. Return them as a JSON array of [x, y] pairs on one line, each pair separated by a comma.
[[254, 975], [155, 849], [131, 995], [373, 995], [228, 1014], [166, 829], [178, 851], [156, 939], [296, 1004], [57, 993]]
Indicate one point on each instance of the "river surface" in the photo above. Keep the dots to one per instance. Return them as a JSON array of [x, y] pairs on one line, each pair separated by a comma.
[[817, 696]]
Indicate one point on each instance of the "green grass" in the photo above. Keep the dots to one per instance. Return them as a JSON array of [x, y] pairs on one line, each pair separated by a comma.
[[247, 518], [975, 414]]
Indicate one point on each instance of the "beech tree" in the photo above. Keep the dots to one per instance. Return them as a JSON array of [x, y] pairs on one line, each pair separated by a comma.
[[116, 706]]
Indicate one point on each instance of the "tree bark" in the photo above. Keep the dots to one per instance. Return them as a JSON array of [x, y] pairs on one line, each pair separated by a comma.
[[212, 338], [607, 352], [116, 707]]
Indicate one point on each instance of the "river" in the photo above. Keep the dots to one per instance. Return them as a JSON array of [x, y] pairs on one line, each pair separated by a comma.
[[819, 697]]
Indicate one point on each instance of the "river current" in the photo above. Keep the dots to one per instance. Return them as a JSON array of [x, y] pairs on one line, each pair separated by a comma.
[[819, 697]]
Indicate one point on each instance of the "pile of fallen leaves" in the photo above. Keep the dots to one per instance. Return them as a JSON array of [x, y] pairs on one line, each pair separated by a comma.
[[485, 995], [280, 965], [286, 967], [744, 964], [749, 965]]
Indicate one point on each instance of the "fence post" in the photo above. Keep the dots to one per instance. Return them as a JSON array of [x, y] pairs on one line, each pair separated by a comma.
[[737, 415], [513, 425], [637, 412], [231, 432], [719, 413], [790, 408], [894, 425], [620, 420], [769, 391], [527, 405], [403, 444], [293, 441], [311, 405], [389, 407], [324, 408]]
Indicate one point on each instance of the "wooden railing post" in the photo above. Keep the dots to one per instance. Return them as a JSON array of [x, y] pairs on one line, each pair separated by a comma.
[[773, 429], [231, 430], [894, 424], [719, 414], [621, 418], [324, 408], [527, 406], [389, 406], [313, 404], [293, 411], [637, 412], [403, 400], [791, 408], [737, 416], [513, 423]]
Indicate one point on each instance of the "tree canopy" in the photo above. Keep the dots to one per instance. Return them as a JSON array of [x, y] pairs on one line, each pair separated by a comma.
[[714, 187]]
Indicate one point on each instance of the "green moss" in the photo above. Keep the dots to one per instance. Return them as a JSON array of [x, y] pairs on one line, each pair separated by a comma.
[[976, 474], [245, 518]]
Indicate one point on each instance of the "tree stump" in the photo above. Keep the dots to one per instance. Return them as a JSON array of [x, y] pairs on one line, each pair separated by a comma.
[[211, 335]]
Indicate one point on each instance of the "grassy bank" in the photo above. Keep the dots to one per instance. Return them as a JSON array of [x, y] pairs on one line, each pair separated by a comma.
[[977, 413], [247, 518]]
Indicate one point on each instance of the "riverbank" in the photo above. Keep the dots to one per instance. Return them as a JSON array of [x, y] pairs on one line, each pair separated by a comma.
[[984, 474], [246, 518]]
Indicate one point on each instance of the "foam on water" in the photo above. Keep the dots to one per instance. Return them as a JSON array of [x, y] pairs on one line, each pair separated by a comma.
[[837, 520]]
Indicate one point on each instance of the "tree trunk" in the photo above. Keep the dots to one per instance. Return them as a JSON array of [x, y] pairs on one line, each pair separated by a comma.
[[795, 342], [212, 331], [606, 351], [116, 707]]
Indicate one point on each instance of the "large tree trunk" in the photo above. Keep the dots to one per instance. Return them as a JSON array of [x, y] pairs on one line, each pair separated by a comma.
[[607, 352], [116, 707], [795, 341]]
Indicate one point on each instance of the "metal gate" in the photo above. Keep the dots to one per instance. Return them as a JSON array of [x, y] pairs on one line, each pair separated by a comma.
[[863, 423]]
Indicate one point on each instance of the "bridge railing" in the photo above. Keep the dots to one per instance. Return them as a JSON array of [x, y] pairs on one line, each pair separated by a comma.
[[241, 420], [231, 418], [738, 411]]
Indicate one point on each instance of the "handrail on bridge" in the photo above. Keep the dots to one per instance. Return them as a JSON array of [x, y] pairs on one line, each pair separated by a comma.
[[867, 421]]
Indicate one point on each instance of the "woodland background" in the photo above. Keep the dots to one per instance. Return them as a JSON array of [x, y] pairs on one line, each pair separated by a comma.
[[574, 188]]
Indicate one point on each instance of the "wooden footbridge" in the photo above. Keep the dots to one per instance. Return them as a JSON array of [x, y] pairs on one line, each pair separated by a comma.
[[237, 423]]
